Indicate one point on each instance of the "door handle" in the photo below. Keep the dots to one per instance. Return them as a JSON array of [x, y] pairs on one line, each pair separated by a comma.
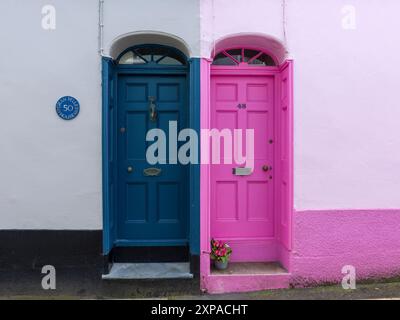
[[152, 109], [266, 168], [129, 169]]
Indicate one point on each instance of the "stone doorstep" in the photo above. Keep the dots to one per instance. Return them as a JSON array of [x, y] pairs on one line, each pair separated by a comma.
[[170, 270]]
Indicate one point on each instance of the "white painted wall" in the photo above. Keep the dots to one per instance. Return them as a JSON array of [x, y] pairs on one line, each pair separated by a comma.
[[347, 131], [179, 18], [50, 169], [221, 18], [347, 136]]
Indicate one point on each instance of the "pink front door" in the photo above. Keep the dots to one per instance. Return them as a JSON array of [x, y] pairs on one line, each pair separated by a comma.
[[242, 207]]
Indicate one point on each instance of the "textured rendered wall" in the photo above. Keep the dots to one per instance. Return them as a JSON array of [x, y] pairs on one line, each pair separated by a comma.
[[325, 241], [346, 140]]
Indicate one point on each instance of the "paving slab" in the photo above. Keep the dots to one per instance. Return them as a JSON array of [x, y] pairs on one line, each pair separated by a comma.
[[125, 271]]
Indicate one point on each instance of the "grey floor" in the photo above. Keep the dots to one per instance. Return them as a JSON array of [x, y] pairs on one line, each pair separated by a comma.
[[86, 283], [123, 271]]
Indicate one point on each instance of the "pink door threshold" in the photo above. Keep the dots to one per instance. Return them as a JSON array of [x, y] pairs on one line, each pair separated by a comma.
[[245, 283], [242, 277]]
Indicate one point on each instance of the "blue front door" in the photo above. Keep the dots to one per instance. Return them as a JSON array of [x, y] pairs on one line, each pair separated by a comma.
[[152, 200]]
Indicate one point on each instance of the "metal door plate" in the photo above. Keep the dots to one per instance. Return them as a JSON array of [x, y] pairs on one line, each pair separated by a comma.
[[152, 172], [242, 171]]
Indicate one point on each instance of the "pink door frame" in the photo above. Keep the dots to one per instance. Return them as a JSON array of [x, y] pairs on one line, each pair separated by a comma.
[[284, 101]]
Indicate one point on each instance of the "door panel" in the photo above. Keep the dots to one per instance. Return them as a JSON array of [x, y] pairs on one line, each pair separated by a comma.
[[242, 206], [153, 208]]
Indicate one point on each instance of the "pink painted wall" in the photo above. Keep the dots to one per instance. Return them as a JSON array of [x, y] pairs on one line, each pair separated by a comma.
[[347, 141], [325, 241]]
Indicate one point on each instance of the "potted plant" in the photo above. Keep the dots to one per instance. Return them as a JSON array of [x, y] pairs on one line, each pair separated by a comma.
[[220, 253]]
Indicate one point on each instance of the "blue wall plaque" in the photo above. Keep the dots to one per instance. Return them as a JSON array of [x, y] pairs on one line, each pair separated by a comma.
[[67, 108]]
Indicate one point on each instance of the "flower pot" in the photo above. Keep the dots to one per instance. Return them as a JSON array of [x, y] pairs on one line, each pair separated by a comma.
[[220, 265]]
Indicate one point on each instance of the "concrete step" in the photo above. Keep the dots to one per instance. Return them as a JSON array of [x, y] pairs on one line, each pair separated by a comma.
[[248, 276], [170, 270]]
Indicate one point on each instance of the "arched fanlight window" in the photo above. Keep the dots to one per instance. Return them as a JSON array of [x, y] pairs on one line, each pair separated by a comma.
[[152, 54], [238, 56]]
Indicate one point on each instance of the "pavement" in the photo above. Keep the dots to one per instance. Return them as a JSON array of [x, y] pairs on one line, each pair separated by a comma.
[[86, 283]]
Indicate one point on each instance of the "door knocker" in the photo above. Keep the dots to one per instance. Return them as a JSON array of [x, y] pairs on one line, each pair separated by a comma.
[[152, 109]]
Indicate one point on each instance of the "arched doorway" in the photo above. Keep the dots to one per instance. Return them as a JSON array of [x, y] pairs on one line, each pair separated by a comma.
[[148, 215], [250, 207]]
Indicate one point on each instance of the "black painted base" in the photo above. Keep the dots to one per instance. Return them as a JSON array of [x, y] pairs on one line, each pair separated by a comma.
[[32, 249], [150, 254]]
